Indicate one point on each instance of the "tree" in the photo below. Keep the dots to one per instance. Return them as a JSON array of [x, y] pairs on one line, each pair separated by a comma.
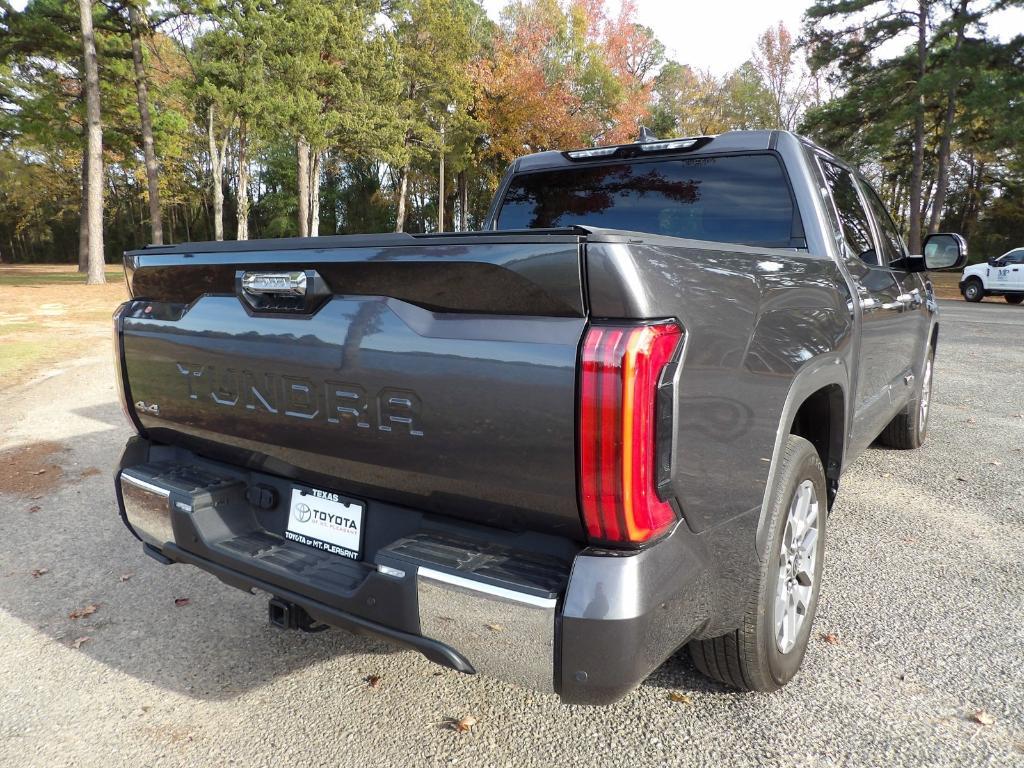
[[693, 103], [136, 30], [775, 60], [563, 76], [436, 45], [94, 163], [906, 104]]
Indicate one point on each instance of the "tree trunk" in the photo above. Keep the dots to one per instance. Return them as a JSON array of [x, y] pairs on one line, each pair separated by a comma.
[[243, 181], [83, 218], [917, 165], [217, 171], [314, 194], [403, 196], [463, 202], [303, 181], [440, 190], [939, 202], [94, 184], [148, 149]]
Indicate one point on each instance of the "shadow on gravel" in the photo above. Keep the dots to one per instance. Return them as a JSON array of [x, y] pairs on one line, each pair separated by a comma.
[[679, 673], [64, 549]]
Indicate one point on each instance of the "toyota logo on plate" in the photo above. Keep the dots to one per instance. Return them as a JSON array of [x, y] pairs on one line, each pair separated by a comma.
[[303, 513]]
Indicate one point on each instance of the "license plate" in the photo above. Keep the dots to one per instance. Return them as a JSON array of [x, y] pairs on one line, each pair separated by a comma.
[[326, 521]]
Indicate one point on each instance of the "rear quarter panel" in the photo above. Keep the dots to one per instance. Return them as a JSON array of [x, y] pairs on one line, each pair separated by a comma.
[[755, 319]]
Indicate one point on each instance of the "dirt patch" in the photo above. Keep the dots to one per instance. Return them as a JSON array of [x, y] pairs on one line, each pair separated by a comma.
[[946, 285], [49, 316], [31, 470]]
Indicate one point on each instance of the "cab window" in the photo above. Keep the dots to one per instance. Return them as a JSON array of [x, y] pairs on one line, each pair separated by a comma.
[[890, 243], [853, 219]]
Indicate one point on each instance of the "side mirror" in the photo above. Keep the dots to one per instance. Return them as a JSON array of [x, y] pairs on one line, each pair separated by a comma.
[[944, 250]]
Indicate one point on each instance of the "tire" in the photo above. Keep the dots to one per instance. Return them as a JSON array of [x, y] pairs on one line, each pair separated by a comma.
[[1014, 298], [909, 427], [973, 290], [762, 655]]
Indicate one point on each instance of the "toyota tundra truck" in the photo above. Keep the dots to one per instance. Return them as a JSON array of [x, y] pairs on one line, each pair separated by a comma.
[[554, 451]]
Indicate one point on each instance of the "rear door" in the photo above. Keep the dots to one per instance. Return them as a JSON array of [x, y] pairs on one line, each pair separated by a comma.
[[917, 317], [885, 332]]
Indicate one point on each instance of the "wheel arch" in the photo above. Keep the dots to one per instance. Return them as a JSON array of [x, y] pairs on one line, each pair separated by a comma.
[[816, 410]]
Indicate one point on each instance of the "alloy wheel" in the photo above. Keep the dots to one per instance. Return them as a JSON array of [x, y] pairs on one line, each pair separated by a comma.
[[798, 556]]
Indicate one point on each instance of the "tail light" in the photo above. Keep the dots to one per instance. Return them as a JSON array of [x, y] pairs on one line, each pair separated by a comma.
[[625, 430], [119, 372]]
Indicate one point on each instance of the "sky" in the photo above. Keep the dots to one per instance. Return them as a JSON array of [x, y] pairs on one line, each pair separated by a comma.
[[720, 35]]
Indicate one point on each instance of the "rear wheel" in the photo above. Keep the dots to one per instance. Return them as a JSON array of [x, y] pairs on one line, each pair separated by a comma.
[[1014, 298], [974, 290], [765, 653], [909, 427]]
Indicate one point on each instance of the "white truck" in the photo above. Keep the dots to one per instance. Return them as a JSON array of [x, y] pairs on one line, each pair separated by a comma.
[[1002, 276]]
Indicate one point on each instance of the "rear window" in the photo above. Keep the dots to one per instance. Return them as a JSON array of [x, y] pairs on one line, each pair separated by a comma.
[[736, 199]]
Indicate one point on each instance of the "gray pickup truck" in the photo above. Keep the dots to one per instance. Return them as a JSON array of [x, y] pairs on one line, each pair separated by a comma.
[[554, 451]]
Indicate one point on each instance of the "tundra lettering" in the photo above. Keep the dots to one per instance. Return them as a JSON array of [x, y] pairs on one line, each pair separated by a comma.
[[301, 398]]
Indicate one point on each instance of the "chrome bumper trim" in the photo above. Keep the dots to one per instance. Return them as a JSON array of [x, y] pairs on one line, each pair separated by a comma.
[[507, 594], [147, 508], [504, 633]]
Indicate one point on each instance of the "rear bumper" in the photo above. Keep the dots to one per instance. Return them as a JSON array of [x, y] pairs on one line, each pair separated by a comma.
[[530, 609]]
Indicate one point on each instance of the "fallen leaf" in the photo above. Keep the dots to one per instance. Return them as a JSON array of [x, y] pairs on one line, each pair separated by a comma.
[[372, 680], [34, 508], [972, 421], [80, 613], [78, 643], [982, 717], [37, 572], [39, 472], [34, 498], [181, 601], [830, 637], [126, 576], [462, 726], [963, 479], [996, 463], [682, 698], [495, 627]]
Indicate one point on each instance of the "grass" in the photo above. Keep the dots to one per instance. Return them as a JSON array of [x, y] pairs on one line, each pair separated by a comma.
[[49, 316], [28, 276], [946, 284]]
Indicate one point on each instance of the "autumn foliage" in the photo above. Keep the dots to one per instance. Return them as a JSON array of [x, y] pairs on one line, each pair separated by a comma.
[[564, 76]]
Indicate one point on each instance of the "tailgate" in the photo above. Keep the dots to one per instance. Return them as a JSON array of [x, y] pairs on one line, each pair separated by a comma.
[[439, 375]]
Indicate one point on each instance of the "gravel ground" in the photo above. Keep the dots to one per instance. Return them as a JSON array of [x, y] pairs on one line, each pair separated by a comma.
[[924, 590]]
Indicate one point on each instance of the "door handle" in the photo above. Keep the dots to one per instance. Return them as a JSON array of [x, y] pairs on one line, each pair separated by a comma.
[[869, 304], [903, 301]]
